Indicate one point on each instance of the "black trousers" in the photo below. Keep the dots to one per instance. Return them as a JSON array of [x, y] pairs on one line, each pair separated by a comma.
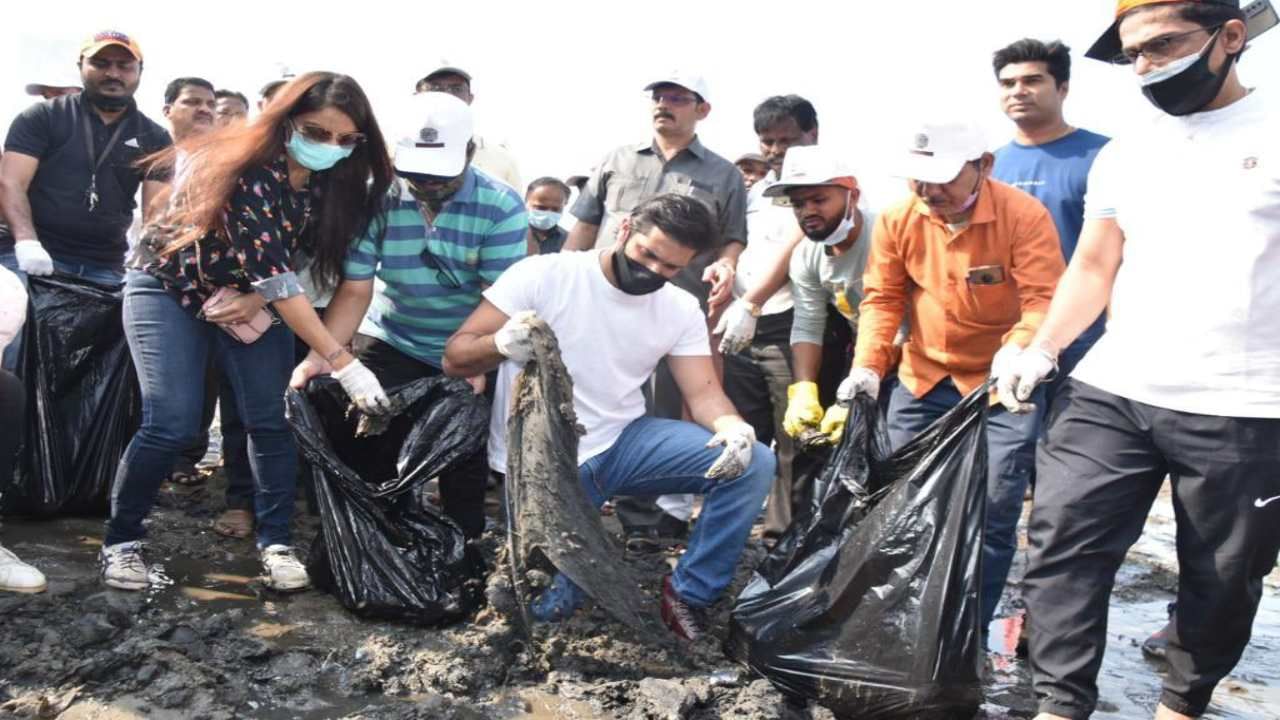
[[462, 488], [1100, 463]]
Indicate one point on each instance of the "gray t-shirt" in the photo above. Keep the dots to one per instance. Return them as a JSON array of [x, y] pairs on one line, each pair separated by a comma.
[[819, 278]]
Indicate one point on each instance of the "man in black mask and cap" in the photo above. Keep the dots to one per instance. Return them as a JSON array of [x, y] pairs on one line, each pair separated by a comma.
[[637, 318], [1184, 384], [69, 175]]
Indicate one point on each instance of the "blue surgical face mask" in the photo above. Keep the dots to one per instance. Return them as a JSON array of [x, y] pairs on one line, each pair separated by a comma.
[[315, 156], [543, 219]]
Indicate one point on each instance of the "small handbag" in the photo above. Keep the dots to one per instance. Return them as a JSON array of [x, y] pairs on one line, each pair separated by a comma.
[[246, 332]]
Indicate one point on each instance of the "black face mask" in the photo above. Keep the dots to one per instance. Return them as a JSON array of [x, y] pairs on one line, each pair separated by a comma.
[[105, 103], [1190, 89], [634, 278]]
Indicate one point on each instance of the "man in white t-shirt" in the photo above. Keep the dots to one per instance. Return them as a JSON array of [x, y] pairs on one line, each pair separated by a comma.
[[1186, 381], [637, 319]]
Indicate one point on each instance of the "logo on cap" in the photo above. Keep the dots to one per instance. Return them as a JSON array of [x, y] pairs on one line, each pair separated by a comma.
[[922, 141], [1250, 163], [429, 138], [111, 35]]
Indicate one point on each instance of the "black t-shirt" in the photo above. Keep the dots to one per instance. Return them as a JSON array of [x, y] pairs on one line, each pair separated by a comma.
[[53, 132]]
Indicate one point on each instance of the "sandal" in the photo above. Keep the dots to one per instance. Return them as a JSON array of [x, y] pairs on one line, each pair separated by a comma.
[[234, 523]]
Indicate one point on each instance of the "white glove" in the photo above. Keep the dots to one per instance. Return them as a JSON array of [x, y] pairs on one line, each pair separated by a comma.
[[860, 380], [738, 327], [1017, 375], [737, 441], [363, 388], [513, 338], [32, 258]]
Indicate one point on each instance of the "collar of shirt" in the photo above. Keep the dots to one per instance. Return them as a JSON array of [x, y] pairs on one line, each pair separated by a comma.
[[695, 147], [983, 212]]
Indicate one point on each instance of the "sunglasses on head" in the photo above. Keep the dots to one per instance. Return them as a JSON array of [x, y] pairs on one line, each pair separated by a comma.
[[318, 134]]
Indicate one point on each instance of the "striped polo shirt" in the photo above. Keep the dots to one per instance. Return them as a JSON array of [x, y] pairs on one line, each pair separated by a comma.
[[477, 235]]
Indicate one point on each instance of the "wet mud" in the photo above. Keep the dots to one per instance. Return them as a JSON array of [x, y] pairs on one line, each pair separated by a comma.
[[212, 642]]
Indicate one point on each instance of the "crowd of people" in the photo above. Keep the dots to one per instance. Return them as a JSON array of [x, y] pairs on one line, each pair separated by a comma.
[[716, 317]]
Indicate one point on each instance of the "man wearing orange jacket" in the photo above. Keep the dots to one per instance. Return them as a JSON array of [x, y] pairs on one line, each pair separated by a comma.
[[975, 262]]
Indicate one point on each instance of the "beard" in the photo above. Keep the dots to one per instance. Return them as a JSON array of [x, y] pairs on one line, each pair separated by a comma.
[[109, 103]]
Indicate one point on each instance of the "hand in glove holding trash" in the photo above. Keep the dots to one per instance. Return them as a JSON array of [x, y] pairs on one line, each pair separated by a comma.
[[513, 339], [737, 326], [860, 380], [833, 422], [803, 409], [737, 437], [33, 259], [1018, 372], [363, 388]]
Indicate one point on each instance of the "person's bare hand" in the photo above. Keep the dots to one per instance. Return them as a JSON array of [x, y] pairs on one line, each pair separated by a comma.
[[239, 309]]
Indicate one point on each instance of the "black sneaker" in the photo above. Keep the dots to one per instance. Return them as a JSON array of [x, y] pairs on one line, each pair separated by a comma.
[[643, 540], [682, 619]]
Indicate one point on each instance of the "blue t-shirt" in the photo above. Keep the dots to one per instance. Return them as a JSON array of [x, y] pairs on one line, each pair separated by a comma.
[[1057, 174]]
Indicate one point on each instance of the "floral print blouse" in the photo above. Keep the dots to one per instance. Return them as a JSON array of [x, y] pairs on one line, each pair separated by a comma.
[[265, 219]]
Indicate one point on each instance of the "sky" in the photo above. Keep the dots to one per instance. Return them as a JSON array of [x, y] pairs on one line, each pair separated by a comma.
[[561, 83]]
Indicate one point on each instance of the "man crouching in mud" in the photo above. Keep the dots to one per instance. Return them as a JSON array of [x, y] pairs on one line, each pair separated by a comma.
[[615, 317]]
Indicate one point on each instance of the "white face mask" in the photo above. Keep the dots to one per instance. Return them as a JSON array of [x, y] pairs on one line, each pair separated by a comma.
[[1161, 74], [841, 233]]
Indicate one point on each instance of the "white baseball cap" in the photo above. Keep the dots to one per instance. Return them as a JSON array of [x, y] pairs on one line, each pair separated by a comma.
[[443, 67], [437, 130], [811, 166], [936, 152], [689, 81]]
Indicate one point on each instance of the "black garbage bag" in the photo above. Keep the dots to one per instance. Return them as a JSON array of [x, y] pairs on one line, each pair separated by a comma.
[[382, 554], [869, 606], [83, 402]]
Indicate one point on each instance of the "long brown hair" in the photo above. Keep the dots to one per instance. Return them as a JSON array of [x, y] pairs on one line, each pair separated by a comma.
[[350, 197]]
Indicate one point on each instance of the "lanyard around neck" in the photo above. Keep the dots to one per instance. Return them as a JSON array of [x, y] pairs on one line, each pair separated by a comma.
[[95, 161]]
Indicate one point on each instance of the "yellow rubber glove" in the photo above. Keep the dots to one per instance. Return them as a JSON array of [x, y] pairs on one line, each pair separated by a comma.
[[803, 408], [833, 422]]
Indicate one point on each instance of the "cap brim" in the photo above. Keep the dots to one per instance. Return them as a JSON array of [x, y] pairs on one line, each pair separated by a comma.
[[441, 162], [656, 83], [1107, 45], [41, 88], [936, 169], [779, 189]]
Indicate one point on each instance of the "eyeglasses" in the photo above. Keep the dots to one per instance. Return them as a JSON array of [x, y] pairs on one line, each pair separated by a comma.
[[444, 276], [1159, 50], [321, 135], [676, 99]]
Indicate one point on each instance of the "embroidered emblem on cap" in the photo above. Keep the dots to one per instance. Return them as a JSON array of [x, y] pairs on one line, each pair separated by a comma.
[[1250, 163], [922, 141], [111, 35], [428, 138]]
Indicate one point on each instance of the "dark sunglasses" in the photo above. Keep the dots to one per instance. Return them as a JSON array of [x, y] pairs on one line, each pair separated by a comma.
[[315, 133], [444, 276]]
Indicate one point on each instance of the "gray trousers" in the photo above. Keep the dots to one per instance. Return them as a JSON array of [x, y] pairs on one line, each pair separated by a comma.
[[1100, 464]]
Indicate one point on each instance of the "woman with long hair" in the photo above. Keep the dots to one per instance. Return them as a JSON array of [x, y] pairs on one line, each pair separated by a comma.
[[309, 174]]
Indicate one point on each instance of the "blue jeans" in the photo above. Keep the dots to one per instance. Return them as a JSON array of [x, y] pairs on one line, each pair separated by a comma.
[[1011, 457], [656, 456], [171, 349], [93, 273]]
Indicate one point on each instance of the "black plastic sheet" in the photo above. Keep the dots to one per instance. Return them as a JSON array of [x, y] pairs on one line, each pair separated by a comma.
[[383, 554], [869, 604], [82, 397]]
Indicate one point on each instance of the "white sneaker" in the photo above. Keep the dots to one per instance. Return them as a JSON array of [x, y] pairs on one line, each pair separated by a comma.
[[284, 571], [123, 567], [17, 576]]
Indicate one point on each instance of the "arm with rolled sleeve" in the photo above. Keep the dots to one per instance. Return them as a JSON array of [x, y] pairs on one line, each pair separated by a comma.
[[884, 302], [1037, 265], [588, 210]]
